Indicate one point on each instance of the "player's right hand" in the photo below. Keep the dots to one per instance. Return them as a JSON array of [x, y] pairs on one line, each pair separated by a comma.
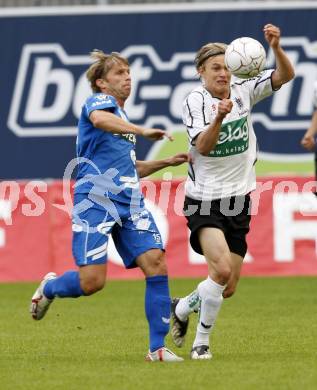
[[272, 34], [308, 141], [224, 107], [156, 134]]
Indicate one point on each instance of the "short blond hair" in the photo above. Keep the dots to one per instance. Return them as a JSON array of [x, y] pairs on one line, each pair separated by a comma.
[[102, 64], [207, 51]]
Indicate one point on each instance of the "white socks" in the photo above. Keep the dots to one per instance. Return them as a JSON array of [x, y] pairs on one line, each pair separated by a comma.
[[210, 294], [209, 297], [187, 305]]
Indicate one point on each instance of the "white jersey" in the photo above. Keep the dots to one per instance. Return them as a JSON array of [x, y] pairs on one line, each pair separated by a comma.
[[228, 170], [315, 95]]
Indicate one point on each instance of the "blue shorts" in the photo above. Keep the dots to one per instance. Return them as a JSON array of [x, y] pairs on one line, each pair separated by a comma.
[[132, 233]]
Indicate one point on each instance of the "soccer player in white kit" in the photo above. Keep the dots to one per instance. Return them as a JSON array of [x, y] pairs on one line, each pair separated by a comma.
[[221, 176]]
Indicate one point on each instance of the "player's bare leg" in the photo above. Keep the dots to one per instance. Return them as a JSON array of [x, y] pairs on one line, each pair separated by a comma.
[[236, 264]]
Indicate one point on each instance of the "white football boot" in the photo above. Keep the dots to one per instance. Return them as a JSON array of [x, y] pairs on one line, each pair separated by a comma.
[[163, 355], [201, 352], [39, 303]]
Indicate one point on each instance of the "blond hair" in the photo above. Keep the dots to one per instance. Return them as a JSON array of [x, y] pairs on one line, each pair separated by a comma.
[[207, 51], [102, 64]]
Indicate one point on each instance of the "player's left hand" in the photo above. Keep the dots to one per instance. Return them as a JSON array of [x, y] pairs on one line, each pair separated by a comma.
[[272, 35], [179, 159]]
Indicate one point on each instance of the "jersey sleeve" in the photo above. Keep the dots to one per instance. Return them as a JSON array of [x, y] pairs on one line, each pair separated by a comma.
[[100, 101], [194, 116], [260, 87]]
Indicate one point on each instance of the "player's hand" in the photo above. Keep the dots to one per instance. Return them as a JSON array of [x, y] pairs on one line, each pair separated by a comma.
[[156, 134], [272, 35], [308, 141], [179, 159], [224, 107]]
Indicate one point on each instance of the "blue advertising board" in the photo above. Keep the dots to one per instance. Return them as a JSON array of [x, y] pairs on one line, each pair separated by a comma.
[[45, 55]]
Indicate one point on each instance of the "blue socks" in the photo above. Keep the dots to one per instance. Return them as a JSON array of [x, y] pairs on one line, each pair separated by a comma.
[[157, 309], [66, 285]]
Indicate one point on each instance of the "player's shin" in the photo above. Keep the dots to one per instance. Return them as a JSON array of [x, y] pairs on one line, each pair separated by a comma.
[[66, 285], [157, 309]]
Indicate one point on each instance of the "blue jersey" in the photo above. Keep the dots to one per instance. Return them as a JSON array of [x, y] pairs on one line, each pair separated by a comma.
[[106, 161]]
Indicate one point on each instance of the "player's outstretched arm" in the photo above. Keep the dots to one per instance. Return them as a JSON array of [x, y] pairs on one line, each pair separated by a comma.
[[308, 141], [146, 168], [284, 71], [107, 121]]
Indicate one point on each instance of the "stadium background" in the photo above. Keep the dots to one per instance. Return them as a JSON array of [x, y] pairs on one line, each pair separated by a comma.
[[43, 87]]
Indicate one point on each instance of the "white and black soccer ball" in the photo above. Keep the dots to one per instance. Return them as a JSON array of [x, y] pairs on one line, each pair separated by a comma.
[[245, 57]]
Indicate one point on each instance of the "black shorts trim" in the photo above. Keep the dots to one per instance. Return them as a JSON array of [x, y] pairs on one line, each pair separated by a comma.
[[231, 215]]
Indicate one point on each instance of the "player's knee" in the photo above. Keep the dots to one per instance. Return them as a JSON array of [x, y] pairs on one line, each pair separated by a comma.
[[157, 263], [92, 284], [220, 265], [152, 263], [223, 269]]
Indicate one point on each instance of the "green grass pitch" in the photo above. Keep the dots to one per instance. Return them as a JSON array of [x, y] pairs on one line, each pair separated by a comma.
[[265, 338]]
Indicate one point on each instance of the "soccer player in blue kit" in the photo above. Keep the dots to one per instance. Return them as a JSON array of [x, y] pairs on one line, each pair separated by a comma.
[[108, 200]]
